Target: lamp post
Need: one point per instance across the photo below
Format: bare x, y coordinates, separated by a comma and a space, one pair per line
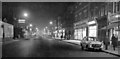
25, 14
51, 22
30, 25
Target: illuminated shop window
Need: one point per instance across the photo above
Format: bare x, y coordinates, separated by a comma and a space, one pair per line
93, 31
115, 32
84, 32
80, 34
76, 34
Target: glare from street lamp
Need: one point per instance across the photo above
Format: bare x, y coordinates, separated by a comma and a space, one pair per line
25, 14
31, 25
51, 22
30, 29
117, 16
37, 29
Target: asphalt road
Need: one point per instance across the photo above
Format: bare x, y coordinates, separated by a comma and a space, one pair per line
42, 47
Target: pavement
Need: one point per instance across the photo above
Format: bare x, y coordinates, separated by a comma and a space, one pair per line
42, 47
110, 49
11, 40
0, 49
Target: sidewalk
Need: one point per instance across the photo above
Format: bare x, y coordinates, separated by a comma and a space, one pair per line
11, 40
110, 49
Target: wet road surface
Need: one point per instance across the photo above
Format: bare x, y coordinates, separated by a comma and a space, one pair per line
42, 47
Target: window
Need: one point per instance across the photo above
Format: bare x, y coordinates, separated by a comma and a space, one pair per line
76, 15
93, 12
118, 6
85, 13
93, 31
80, 13
101, 11
105, 10
76, 6
71, 12
80, 3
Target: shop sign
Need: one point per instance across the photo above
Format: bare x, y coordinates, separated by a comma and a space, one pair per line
80, 22
80, 26
91, 22
21, 20
113, 17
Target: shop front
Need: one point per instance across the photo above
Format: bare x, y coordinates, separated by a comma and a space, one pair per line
80, 30
59, 34
78, 33
114, 28
92, 28
114, 25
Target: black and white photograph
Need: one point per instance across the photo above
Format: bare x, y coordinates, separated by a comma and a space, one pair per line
60, 29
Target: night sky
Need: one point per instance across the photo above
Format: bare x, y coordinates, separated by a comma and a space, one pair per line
39, 13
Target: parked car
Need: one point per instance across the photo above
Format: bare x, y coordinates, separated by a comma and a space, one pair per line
91, 43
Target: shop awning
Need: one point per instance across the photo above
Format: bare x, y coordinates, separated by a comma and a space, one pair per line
110, 26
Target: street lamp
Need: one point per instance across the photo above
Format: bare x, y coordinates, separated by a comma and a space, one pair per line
37, 29
31, 25
25, 14
30, 29
51, 22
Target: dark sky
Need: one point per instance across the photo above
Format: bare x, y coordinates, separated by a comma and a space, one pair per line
39, 13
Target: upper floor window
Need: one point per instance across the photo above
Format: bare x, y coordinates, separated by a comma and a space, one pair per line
118, 6
102, 12
76, 15
80, 3
80, 13
76, 6
71, 12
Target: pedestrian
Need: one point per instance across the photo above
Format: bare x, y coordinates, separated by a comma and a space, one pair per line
114, 41
106, 42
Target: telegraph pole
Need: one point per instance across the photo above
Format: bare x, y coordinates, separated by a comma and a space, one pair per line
107, 39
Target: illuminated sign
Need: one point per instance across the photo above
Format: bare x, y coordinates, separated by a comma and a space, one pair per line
113, 17
21, 20
91, 22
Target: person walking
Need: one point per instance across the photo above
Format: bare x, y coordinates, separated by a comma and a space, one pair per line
114, 41
106, 42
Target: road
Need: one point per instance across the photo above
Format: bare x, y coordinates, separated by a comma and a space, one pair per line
41, 47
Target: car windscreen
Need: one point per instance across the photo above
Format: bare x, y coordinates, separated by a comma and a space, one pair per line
91, 39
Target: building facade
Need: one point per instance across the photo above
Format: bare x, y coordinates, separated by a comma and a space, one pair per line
114, 19
89, 18
81, 18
